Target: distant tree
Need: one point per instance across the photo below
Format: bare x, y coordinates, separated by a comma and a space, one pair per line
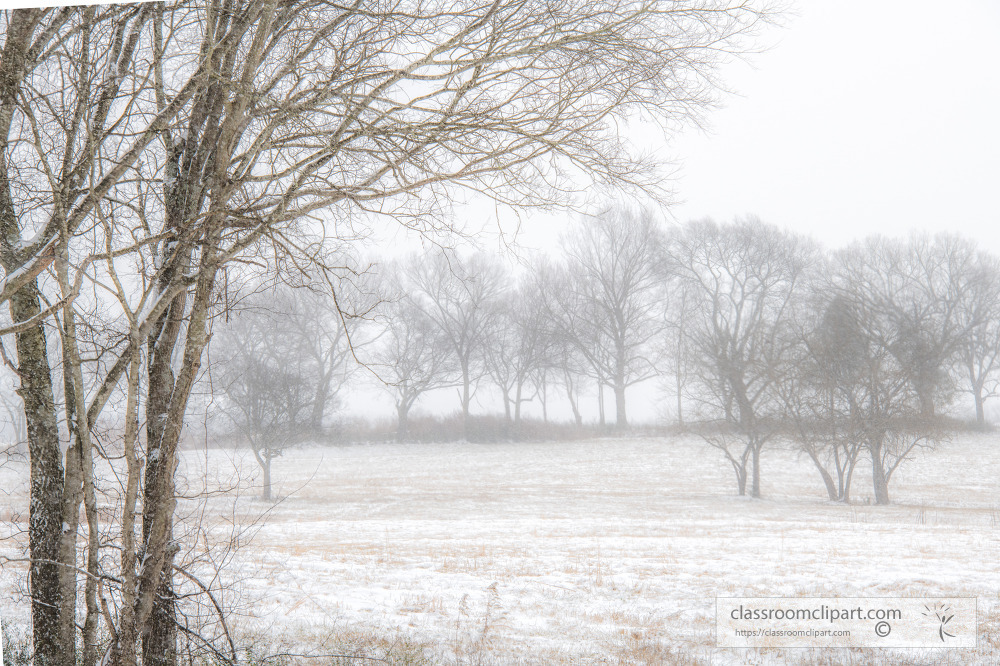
744, 278
266, 390
900, 344
829, 356
517, 345
282, 359
610, 309
412, 357
14, 427
680, 298
457, 295
330, 324
977, 357
564, 360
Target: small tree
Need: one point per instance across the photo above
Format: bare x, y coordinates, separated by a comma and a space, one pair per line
744, 278
885, 399
517, 346
829, 355
267, 387
614, 295
978, 346
456, 294
412, 358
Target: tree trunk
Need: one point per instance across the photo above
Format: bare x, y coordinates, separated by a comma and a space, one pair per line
577, 416
159, 630
926, 397
45, 512
678, 379
847, 483
46, 536
517, 406
543, 396
621, 420
266, 490
123, 652
319, 403
755, 463
156, 603
980, 407
403, 420
466, 399
880, 482
680, 401
832, 490
600, 403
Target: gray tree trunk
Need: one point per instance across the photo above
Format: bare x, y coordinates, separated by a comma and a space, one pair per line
403, 421
755, 470
50, 625
879, 480
621, 420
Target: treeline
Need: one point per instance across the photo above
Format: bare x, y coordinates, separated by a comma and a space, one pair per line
759, 334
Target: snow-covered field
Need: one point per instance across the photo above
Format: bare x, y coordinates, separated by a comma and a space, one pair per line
608, 551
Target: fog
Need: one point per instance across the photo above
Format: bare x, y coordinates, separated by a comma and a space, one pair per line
497, 333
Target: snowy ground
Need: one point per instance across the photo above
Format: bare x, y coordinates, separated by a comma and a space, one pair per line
609, 551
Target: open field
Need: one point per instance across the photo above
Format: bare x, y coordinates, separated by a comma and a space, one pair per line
608, 551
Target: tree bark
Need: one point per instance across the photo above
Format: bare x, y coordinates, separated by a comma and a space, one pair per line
600, 403
159, 630
879, 480
47, 538
403, 420
266, 492
755, 469
831, 488
466, 399
621, 420
741, 479
45, 513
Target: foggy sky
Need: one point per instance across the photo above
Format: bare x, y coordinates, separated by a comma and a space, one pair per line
862, 117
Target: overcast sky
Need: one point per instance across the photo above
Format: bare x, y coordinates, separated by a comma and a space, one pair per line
863, 116
860, 117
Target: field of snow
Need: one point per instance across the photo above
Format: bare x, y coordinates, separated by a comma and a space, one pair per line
607, 551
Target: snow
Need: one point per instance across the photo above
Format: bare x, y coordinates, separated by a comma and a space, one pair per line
601, 551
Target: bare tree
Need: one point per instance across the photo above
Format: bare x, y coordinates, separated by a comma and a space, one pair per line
412, 357
612, 314
887, 312
680, 301
829, 356
564, 357
66, 76
266, 379
744, 277
978, 344
517, 346
456, 294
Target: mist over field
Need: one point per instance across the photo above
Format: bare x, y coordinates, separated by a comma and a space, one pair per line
499, 333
